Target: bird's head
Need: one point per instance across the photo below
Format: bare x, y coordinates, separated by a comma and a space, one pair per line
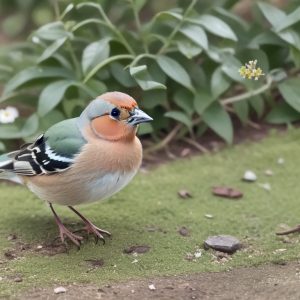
113, 116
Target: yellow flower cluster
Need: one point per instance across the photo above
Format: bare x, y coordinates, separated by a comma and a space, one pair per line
250, 71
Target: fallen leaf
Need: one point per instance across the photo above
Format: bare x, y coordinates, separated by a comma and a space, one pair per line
95, 263
137, 249
227, 192
184, 194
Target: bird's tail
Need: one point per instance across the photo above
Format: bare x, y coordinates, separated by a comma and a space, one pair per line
6, 168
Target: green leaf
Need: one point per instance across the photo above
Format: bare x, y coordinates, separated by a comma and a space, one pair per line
231, 68
35, 73
188, 49
258, 105
290, 36
290, 90
282, 113
242, 110
219, 83
50, 119
175, 71
202, 101
215, 26
290, 20
142, 77
121, 75
180, 117
2, 147
94, 54
184, 99
266, 38
52, 49
225, 13
53, 31
139, 4
52, 95
25, 129
273, 14
169, 14
93, 87
219, 121
144, 129
196, 34
153, 98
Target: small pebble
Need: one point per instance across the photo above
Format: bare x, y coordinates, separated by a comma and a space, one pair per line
250, 176
60, 290
39, 247
198, 254
223, 243
11, 237
269, 173
152, 287
208, 216
265, 186
18, 279
280, 161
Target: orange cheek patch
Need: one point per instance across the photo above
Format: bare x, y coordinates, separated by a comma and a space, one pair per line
107, 128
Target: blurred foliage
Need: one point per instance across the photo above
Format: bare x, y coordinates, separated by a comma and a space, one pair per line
179, 59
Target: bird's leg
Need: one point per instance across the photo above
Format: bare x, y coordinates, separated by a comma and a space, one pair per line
64, 232
90, 227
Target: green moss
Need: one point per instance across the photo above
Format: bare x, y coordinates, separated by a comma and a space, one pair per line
151, 200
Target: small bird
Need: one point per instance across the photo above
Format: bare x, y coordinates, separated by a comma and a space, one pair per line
81, 160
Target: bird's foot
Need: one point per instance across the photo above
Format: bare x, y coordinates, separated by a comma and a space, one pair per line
64, 233
90, 228
292, 230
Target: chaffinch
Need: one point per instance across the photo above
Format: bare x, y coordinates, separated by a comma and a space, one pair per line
83, 159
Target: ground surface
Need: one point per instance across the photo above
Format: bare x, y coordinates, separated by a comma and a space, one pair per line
261, 283
149, 213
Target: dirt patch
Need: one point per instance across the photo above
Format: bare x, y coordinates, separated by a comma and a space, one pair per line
264, 282
209, 141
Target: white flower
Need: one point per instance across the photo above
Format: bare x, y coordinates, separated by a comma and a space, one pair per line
35, 40
8, 115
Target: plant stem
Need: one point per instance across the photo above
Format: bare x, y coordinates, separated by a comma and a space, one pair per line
116, 31
104, 63
74, 60
141, 56
139, 26
248, 94
165, 141
176, 29
56, 9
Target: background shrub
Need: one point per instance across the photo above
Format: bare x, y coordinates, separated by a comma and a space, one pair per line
179, 59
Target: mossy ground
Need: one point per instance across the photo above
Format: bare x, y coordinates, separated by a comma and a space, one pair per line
151, 201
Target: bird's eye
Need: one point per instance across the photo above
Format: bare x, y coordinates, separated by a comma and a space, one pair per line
115, 113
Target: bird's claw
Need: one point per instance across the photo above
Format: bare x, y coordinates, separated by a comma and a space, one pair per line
97, 232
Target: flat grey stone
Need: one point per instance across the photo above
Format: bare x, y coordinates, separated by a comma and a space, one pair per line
224, 243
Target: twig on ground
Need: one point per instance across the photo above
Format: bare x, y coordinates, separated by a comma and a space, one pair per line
292, 230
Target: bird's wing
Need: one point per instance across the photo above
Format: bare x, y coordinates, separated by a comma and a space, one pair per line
51, 153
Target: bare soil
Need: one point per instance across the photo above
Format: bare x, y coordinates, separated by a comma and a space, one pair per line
261, 283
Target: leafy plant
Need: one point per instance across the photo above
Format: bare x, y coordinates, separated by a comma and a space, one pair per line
181, 64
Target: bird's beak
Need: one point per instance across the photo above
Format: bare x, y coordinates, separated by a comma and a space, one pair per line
139, 117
